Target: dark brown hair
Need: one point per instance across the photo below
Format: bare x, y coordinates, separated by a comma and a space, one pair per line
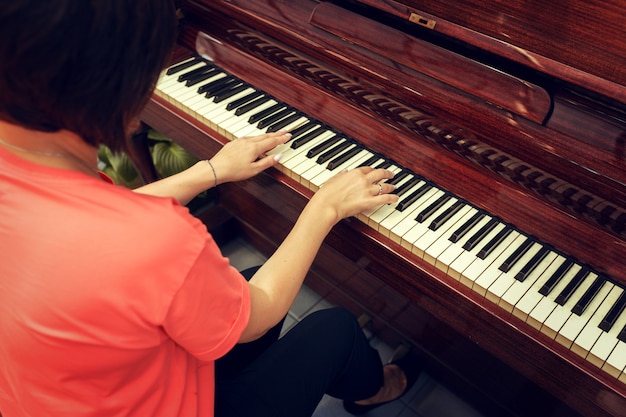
88, 66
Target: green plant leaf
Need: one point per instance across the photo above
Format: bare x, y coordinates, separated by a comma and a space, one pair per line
157, 136
170, 158
104, 154
119, 167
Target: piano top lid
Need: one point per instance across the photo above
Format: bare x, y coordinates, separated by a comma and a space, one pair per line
579, 41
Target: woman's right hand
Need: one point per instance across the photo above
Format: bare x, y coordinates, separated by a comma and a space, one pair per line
351, 192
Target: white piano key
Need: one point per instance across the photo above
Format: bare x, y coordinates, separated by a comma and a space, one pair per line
532, 297
239, 122
294, 157
305, 164
616, 362
591, 332
546, 305
467, 267
243, 128
482, 273
320, 174
575, 323
429, 236
561, 313
605, 344
417, 230
286, 148
434, 251
220, 114
408, 221
396, 216
505, 280
449, 256
519, 288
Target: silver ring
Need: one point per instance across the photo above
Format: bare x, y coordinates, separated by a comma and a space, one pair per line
380, 189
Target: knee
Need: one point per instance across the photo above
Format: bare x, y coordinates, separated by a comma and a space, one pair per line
339, 322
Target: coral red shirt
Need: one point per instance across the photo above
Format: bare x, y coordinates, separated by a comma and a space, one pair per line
112, 303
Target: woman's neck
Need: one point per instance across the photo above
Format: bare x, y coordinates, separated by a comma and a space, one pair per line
62, 149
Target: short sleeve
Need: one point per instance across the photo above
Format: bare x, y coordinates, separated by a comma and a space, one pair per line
212, 307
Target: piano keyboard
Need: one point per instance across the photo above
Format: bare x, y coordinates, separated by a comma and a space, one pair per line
565, 300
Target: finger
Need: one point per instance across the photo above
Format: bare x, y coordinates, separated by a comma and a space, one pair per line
279, 135
386, 199
271, 140
267, 161
380, 174
383, 188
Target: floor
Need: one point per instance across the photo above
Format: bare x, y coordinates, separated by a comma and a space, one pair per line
427, 398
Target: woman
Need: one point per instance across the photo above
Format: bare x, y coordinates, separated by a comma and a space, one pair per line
118, 303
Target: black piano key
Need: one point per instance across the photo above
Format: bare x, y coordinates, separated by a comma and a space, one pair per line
571, 286
252, 105
202, 76
198, 72
300, 130
466, 227
532, 264
332, 152
183, 65
216, 85
274, 117
609, 320
370, 161
399, 177
515, 256
317, 149
224, 89
432, 208
383, 165
446, 215
243, 100
221, 96
413, 197
345, 156
266, 112
477, 237
494, 243
307, 137
401, 190
556, 277
622, 335
580, 307
284, 122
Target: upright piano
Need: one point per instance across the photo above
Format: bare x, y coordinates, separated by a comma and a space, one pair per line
505, 122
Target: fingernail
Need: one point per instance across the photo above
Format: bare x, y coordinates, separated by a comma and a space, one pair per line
278, 156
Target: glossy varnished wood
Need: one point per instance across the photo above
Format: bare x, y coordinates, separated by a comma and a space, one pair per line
504, 90
580, 41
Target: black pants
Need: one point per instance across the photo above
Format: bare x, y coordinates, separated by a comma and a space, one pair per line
325, 353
